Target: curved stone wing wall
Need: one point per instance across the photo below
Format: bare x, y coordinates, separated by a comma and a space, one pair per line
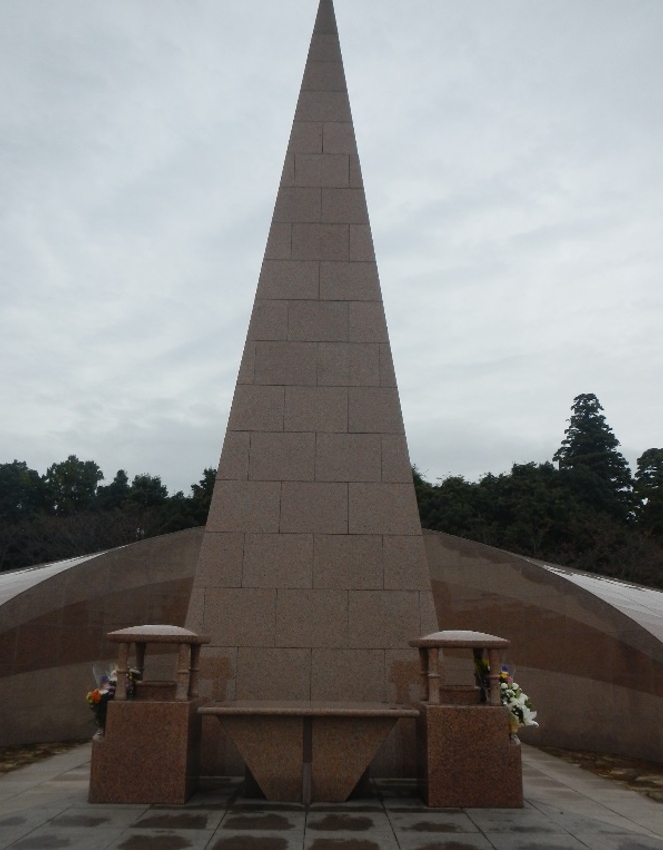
53, 625
593, 669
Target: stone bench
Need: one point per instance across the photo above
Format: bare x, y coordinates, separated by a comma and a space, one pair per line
313, 751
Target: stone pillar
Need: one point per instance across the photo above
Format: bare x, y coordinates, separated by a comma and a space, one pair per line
312, 575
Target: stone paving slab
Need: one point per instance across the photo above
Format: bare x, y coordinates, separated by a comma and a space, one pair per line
618, 842
565, 809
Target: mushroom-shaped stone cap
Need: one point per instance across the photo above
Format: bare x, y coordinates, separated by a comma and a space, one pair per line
156, 634
463, 639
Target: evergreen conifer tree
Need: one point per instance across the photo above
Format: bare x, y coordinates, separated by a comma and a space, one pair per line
599, 473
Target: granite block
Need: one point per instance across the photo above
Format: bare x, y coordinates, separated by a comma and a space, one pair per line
402, 676
80, 587
306, 137
345, 281
382, 619
285, 363
344, 206
297, 204
348, 457
375, 410
361, 241
338, 137
45, 607
320, 409
348, 674
217, 673
328, 170
279, 242
257, 409
405, 564
320, 242
396, 466
318, 321
288, 171
272, 750
77, 643
245, 506
427, 613
8, 640
240, 616
220, 561
273, 673
36, 647
195, 612
324, 76
311, 618
269, 320
282, 456
356, 180
317, 508
247, 364
325, 22
289, 279
83, 614
321, 105
382, 509
46, 612
234, 463
348, 364
168, 760
387, 373
347, 561
337, 769
278, 560
367, 322
465, 758
324, 48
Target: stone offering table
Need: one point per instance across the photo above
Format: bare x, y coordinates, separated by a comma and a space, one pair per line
307, 751
465, 755
150, 750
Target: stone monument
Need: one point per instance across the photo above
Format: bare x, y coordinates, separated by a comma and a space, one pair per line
312, 577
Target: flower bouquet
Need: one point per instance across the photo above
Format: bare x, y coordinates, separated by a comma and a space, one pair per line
99, 698
519, 704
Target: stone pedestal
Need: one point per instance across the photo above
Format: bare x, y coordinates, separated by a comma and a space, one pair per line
150, 749
466, 758
149, 753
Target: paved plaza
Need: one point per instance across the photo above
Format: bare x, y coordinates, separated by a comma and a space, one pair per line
44, 807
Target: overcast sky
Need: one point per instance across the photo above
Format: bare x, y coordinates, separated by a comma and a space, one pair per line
512, 156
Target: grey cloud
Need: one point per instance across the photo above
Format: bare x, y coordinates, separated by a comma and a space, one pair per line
511, 156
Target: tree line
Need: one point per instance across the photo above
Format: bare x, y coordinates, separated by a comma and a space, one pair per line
67, 512
583, 509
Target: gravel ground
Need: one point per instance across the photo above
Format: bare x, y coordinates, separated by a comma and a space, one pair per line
11, 758
646, 777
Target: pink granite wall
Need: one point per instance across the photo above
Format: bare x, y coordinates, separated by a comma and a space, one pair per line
594, 673
52, 632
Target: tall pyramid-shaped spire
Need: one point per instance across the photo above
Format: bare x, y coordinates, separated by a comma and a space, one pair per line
312, 576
